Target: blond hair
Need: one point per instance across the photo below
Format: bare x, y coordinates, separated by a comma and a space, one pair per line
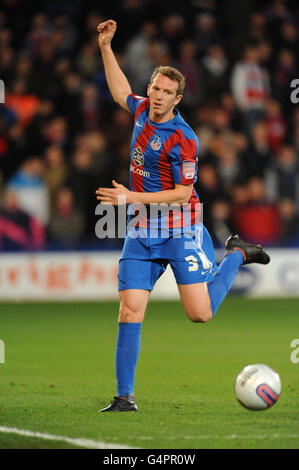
171, 73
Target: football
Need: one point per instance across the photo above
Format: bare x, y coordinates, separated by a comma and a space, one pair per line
257, 387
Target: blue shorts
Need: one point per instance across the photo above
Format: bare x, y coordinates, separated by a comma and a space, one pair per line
144, 259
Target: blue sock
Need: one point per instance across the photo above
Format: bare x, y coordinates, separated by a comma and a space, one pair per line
126, 357
222, 282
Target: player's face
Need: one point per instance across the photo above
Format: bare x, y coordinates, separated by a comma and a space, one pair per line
163, 95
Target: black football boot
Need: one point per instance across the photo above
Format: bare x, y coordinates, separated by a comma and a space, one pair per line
121, 404
251, 253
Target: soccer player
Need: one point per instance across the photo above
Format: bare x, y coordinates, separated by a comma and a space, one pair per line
163, 168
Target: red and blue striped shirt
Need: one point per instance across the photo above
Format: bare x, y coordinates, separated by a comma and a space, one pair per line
162, 154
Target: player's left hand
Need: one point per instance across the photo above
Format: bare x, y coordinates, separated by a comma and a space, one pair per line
116, 196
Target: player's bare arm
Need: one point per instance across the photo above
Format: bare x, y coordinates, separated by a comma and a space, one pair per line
117, 82
181, 194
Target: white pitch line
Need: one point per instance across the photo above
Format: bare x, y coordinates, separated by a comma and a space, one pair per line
79, 442
91, 444
228, 437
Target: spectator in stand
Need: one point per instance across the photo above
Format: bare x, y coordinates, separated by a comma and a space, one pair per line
91, 21
123, 159
7, 120
257, 218
294, 131
214, 68
55, 132
6, 37
290, 220
37, 139
122, 121
188, 66
19, 230
229, 166
229, 106
221, 226
206, 33
55, 173
209, 189
88, 61
219, 119
258, 156
83, 182
22, 103
282, 176
103, 165
66, 226
276, 13
276, 125
130, 13
241, 145
213, 150
239, 194
89, 107
44, 61
288, 37
295, 118
284, 72
24, 72
295, 139
7, 56
15, 148
29, 186
266, 56
137, 52
67, 33
173, 31
159, 53
251, 87
68, 102
39, 33
257, 27
63, 67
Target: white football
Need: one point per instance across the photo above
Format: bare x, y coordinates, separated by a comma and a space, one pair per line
257, 387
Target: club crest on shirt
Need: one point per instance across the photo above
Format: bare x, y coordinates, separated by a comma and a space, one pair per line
138, 156
156, 143
188, 169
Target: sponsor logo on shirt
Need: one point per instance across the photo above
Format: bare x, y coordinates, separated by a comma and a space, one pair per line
138, 156
156, 143
139, 171
188, 169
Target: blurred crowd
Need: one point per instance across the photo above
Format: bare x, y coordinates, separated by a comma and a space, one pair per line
61, 135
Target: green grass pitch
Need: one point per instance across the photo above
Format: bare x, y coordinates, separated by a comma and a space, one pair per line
59, 372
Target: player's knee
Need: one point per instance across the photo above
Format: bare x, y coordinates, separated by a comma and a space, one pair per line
129, 314
200, 315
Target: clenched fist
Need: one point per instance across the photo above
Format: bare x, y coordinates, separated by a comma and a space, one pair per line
106, 32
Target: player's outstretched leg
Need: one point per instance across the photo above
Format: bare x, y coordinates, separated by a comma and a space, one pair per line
238, 252
201, 300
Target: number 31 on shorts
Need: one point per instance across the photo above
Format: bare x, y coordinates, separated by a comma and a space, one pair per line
193, 262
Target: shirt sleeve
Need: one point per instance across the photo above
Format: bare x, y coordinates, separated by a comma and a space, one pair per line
134, 101
184, 159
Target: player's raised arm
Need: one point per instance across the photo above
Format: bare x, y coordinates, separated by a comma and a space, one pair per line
116, 79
